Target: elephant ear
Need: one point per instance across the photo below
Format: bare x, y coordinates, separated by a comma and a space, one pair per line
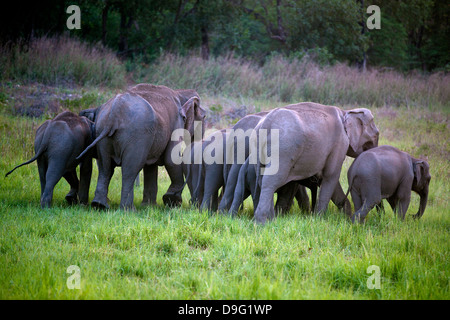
354, 127
419, 168
89, 113
190, 110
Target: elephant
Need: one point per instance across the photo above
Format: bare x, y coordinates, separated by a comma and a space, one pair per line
246, 186
192, 171
304, 140
134, 130
233, 164
57, 144
386, 172
205, 178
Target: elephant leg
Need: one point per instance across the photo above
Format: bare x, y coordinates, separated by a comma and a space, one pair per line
369, 200
214, 202
313, 197
393, 202
71, 178
213, 182
239, 189
42, 168
302, 198
173, 195
105, 172
132, 164
150, 184
326, 192
269, 184
357, 201
232, 180
404, 199
285, 197
341, 201
85, 180
54, 173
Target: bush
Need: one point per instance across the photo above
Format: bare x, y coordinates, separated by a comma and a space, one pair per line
60, 60
298, 79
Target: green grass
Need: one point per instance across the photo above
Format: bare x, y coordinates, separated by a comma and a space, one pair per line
162, 253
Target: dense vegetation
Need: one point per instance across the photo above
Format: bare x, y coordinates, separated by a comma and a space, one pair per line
414, 34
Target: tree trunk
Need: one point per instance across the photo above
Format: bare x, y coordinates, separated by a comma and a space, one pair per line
205, 43
125, 24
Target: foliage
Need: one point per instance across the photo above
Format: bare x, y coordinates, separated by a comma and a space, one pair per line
413, 35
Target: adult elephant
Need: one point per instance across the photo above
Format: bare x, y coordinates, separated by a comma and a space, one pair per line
134, 131
313, 140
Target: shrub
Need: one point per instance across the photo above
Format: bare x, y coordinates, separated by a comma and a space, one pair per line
298, 79
60, 60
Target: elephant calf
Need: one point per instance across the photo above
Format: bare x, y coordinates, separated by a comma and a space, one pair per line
204, 176
57, 144
387, 173
295, 189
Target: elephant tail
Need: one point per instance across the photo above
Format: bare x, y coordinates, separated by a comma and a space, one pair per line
350, 183
108, 131
100, 137
42, 149
27, 162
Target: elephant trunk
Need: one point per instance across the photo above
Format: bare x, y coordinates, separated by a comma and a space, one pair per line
423, 204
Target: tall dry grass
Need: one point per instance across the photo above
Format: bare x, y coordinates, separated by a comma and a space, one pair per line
60, 60
292, 80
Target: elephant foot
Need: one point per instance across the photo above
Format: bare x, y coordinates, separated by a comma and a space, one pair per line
172, 200
99, 205
71, 198
261, 219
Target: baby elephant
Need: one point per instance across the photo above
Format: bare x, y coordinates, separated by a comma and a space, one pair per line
387, 173
57, 144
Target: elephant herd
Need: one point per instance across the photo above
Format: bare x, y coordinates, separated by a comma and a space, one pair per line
283, 151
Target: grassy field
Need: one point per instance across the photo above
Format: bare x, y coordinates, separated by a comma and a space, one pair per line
162, 253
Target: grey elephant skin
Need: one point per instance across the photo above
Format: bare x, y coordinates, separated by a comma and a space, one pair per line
57, 144
233, 164
134, 131
314, 140
205, 179
386, 172
246, 186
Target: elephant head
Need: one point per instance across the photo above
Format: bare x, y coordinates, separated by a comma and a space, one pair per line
193, 114
361, 131
421, 182
89, 113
